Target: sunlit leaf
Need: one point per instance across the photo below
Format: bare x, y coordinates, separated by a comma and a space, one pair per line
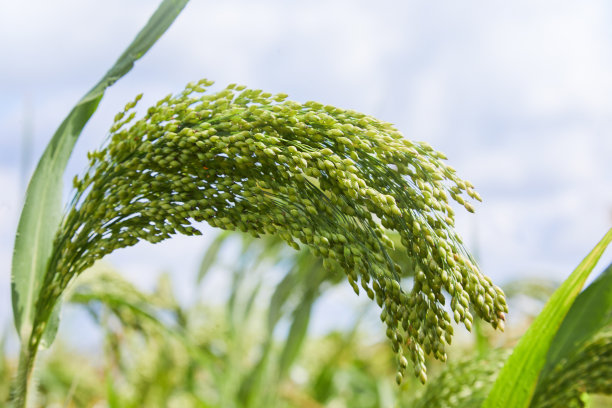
517, 381
576, 341
591, 312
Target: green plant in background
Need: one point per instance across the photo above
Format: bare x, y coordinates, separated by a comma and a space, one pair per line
203, 355
464, 383
165, 354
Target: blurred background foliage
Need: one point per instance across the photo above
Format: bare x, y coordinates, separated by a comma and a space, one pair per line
255, 350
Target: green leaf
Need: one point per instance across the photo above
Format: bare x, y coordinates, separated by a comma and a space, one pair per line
52, 326
297, 332
112, 396
517, 380
589, 315
251, 385
248, 306
211, 254
310, 276
41, 213
4, 367
591, 312
237, 283
323, 384
283, 290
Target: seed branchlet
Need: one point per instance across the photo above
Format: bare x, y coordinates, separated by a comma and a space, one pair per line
588, 369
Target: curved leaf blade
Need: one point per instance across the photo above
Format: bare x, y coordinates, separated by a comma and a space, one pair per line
211, 255
41, 213
297, 333
590, 313
515, 384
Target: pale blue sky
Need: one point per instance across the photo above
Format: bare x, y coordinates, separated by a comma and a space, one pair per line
518, 95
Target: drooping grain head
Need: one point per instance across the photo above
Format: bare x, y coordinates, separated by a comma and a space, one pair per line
335, 180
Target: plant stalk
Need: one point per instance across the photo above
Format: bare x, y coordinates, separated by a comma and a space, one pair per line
23, 392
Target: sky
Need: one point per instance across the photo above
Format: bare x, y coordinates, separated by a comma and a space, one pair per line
517, 95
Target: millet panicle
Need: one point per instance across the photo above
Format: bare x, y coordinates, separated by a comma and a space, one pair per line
335, 180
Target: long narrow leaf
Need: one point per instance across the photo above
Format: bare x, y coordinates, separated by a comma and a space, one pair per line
301, 318
297, 333
589, 315
42, 209
516, 382
282, 292
591, 312
211, 255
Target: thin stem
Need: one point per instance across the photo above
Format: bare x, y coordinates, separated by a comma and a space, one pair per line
23, 392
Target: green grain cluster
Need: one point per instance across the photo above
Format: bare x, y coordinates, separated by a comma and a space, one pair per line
335, 180
587, 370
464, 383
